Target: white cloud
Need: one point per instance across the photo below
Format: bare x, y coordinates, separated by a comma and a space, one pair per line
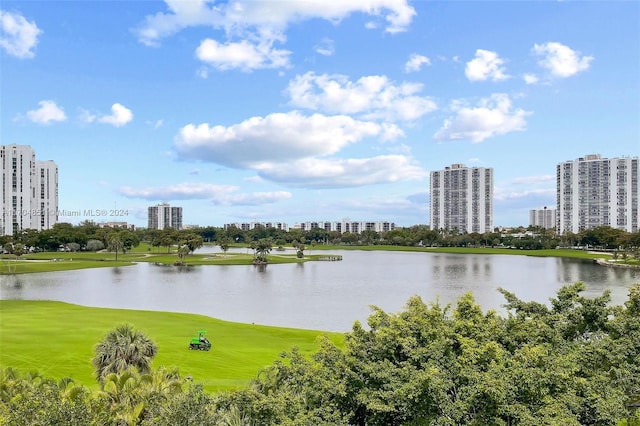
334, 173
486, 65
241, 16
501, 194
279, 138
120, 115
18, 37
372, 97
529, 180
560, 60
218, 194
47, 113
243, 55
530, 78
325, 47
416, 62
493, 116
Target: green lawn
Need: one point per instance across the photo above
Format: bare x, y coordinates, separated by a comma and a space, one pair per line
61, 261
57, 339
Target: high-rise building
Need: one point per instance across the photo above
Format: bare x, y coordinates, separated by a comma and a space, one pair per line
594, 191
164, 216
544, 218
462, 199
29, 191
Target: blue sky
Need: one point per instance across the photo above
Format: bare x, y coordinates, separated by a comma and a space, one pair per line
293, 111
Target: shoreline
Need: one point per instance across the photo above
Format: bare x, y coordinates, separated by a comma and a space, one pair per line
55, 261
604, 262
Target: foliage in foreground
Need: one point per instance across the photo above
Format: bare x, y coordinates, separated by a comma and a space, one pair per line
575, 362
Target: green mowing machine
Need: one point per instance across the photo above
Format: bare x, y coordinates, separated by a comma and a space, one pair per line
200, 343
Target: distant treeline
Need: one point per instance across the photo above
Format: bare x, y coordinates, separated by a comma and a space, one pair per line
89, 236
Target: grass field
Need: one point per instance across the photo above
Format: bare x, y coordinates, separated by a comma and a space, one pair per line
60, 261
57, 340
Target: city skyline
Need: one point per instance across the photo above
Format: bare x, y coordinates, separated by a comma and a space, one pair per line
289, 112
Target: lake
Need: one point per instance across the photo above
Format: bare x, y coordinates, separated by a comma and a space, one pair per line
319, 295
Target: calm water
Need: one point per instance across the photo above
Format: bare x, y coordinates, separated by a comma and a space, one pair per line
319, 295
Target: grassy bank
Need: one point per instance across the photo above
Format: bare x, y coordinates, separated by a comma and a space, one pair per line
61, 261
57, 261
57, 339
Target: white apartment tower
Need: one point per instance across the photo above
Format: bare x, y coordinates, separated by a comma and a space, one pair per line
595, 191
29, 191
462, 199
164, 216
544, 218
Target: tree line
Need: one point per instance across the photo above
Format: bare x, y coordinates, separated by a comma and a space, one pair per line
91, 237
575, 361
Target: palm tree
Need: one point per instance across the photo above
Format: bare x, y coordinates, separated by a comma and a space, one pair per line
122, 348
262, 249
115, 243
183, 251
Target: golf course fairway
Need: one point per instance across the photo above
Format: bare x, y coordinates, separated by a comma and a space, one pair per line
57, 339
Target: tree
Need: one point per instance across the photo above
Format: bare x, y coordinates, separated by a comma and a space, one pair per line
94, 245
224, 243
576, 362
262, 249
121, 348
182, 253
115, 243
192, 241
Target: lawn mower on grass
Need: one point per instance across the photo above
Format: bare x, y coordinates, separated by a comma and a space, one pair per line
200, 343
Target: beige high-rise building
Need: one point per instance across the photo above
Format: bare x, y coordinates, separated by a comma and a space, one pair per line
462, 199
29, 191
594, 191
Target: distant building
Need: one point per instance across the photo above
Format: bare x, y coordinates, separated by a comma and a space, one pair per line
348, 225
29, 191
121, 225
164, 216
544, 218
462, 199
248, 226
594, 191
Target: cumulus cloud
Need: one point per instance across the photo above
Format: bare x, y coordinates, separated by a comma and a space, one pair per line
243, 55
218, 194
560, 60
120, 115
279, 137
47, 113
244, 15
487, 65
371, 97
492, 117
252, 27
416, 62
334, 173
18, 37
325, 47
530, 78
